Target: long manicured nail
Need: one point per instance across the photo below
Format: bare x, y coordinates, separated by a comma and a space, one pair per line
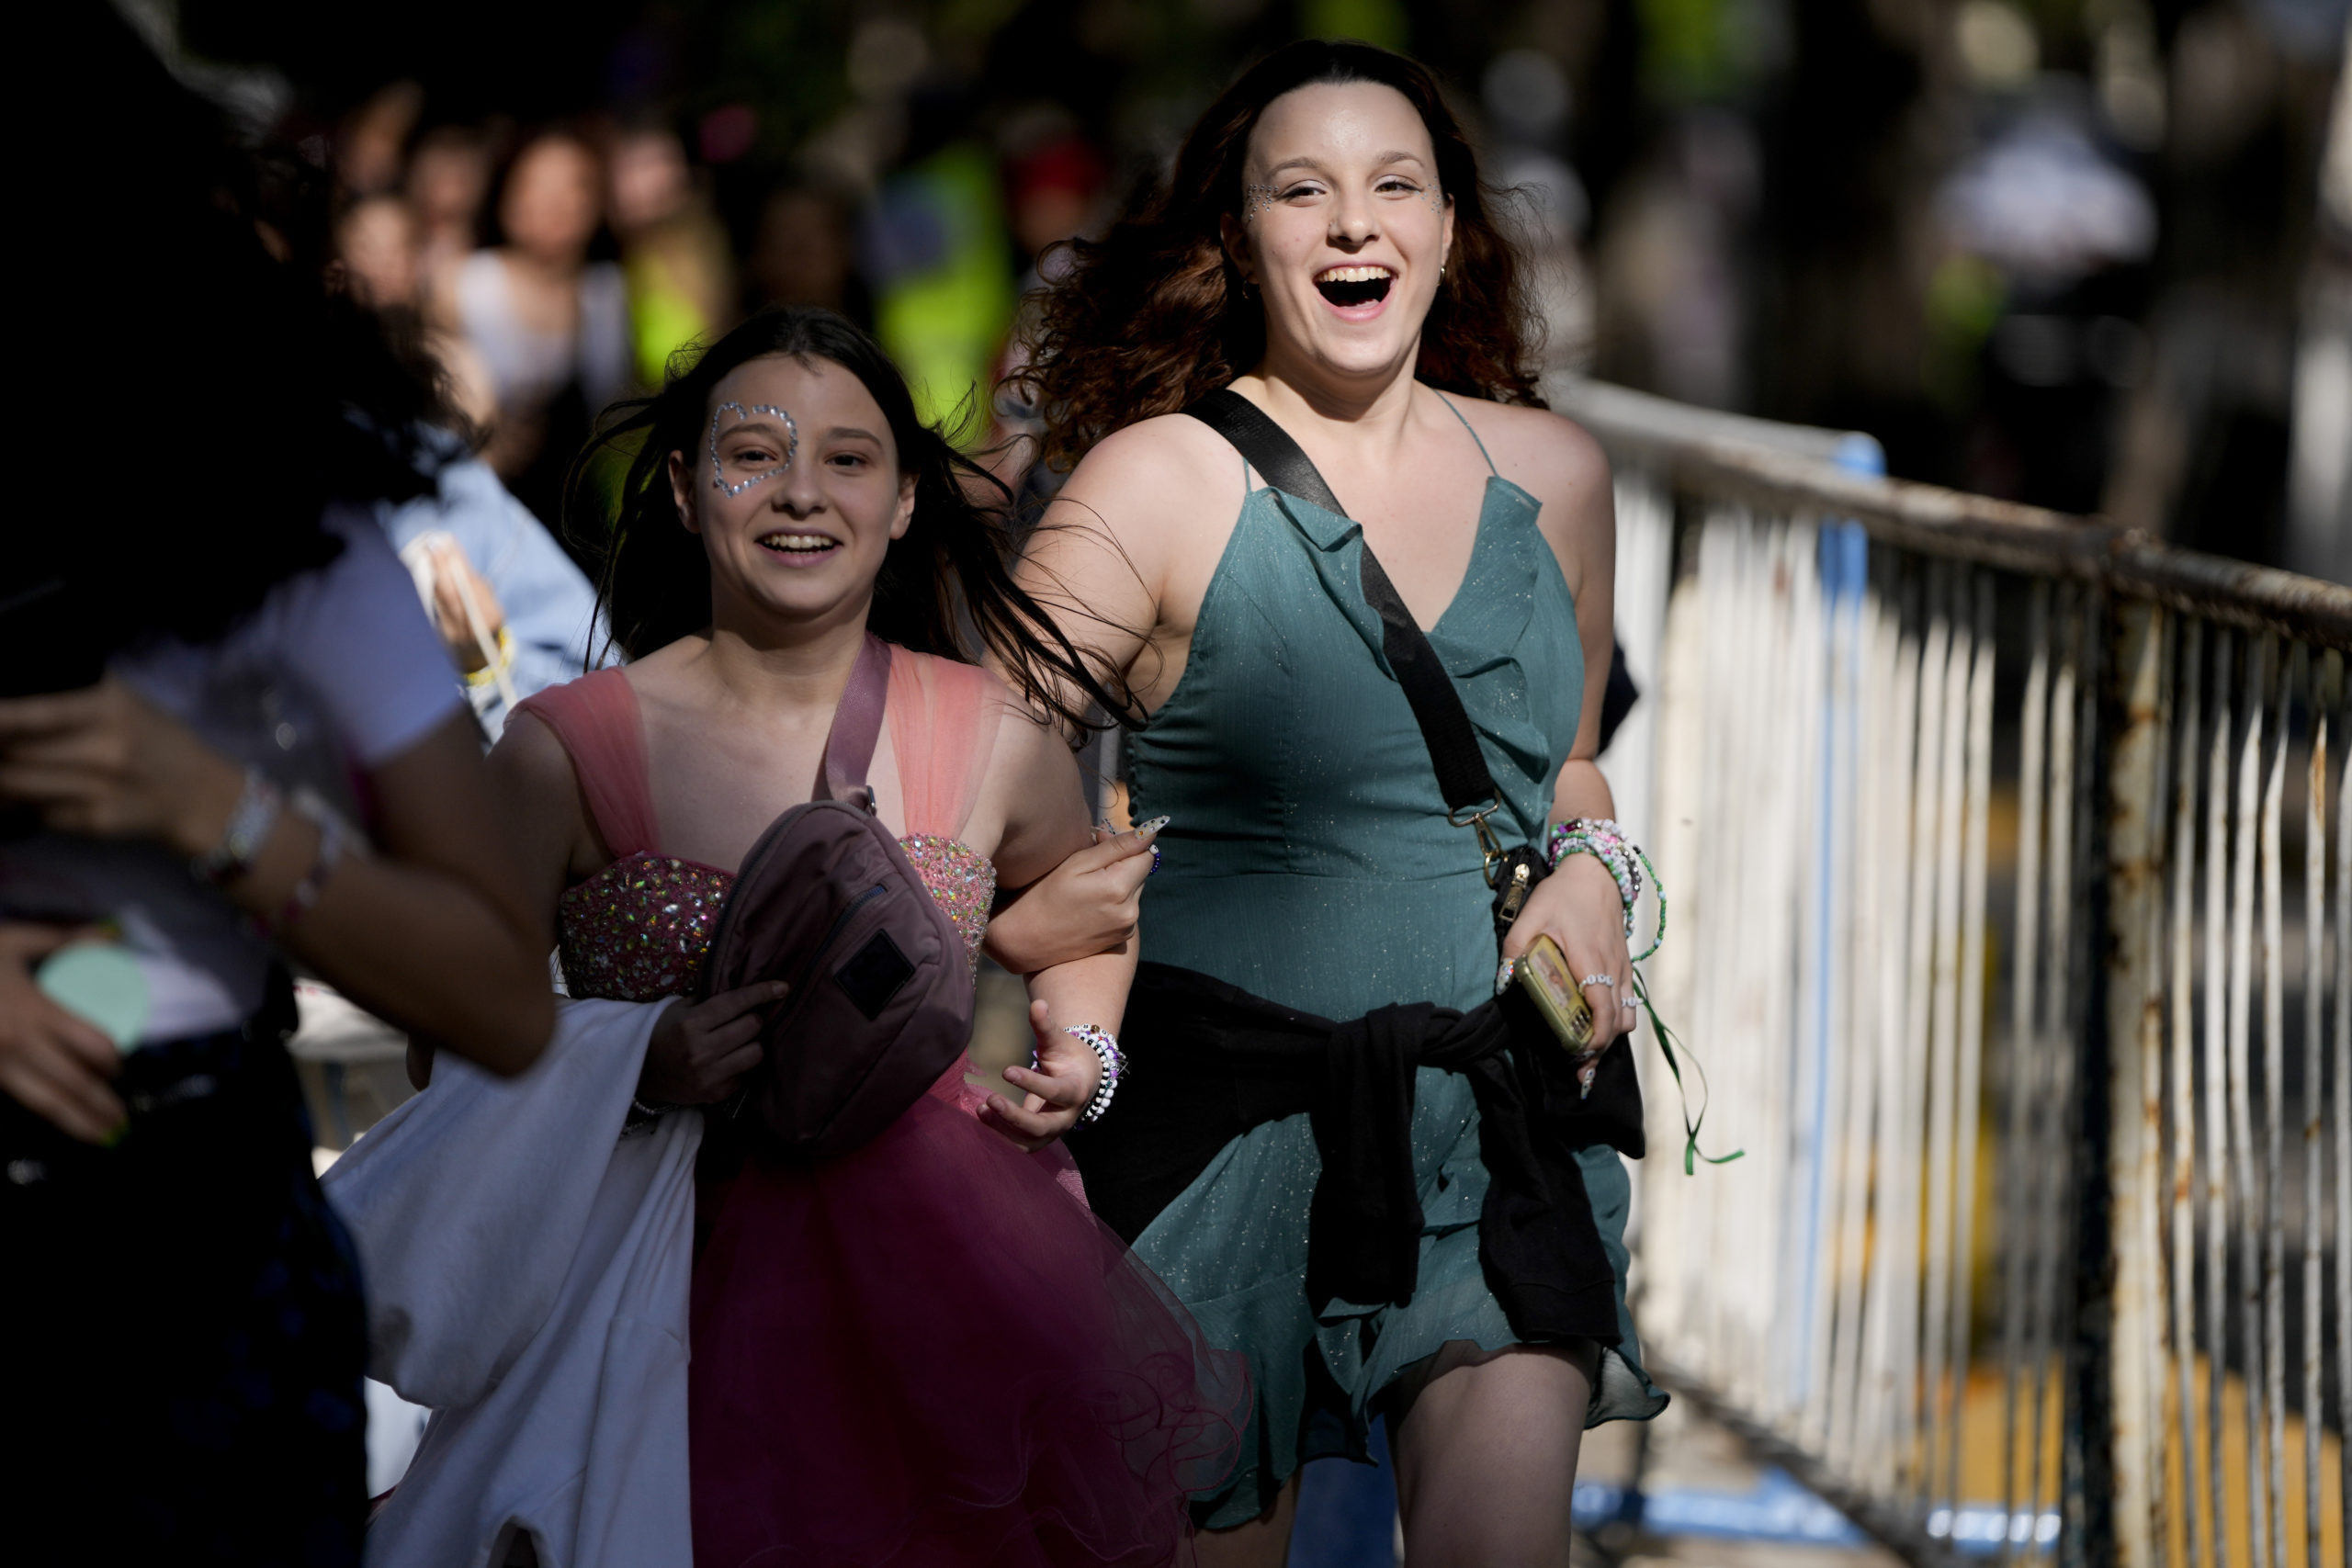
1503, 971
1154, 826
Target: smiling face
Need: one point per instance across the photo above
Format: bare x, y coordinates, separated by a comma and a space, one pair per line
795, 490
1344, 227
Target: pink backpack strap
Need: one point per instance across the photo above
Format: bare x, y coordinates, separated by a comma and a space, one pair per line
858, 724
596, 719
943, 719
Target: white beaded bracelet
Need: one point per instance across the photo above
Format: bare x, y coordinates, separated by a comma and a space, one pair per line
1105, 1047
248, 827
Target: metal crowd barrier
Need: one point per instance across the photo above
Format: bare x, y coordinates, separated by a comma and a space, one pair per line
2010, 859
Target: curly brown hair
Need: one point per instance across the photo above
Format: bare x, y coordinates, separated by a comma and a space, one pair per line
1152, 315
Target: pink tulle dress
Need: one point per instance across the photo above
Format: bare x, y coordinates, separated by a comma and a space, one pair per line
928, 1352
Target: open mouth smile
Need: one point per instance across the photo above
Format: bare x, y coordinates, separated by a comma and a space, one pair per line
799, 548
1354, 289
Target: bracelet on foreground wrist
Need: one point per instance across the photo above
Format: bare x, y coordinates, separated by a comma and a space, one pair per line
338, 839
248, 827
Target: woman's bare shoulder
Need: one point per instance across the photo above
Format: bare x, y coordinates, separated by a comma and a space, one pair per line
666, 665
1550, 457
530, 761
1159, 492
672, 685
1156, 463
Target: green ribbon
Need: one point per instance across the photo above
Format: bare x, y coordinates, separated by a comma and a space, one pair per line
1667, 1042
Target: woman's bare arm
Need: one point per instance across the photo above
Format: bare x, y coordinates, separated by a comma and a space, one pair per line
1086, 904
434, 932
1126, 553
1578, 905
438, 933
541, 812
1034, 783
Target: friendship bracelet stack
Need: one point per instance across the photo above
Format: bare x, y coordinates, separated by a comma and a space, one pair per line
1607, 842
250, 822
338, 839
1114, 1062
253, 819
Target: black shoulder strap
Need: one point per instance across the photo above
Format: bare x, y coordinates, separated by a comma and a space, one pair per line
1462, 775
1267, 446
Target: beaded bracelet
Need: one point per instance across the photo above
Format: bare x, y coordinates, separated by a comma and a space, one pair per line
247, 828
1105, 1047
1608, 843
338, 839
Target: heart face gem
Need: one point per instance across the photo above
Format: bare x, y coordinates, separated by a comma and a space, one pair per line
791, 446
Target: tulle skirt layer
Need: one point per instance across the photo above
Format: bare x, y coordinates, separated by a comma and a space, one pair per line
930, 1353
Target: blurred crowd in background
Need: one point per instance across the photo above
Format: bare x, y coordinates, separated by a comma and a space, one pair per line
2093, 255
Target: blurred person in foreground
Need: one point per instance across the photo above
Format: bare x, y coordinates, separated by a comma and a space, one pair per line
228, 743
1325, 250
550, 324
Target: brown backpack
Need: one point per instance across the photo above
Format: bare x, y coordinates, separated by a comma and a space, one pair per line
882, 991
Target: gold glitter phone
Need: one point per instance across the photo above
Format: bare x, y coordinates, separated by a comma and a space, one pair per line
1544, 972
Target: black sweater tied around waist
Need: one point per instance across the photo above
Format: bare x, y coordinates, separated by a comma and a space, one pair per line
1210, 1061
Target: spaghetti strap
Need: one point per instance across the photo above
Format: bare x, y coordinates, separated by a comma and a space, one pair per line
1471, 429
596, 721
943, 718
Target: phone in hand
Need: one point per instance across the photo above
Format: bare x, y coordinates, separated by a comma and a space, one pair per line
1542, 973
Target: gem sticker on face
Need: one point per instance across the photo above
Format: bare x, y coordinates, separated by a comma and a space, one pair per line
1255, 199
718, 469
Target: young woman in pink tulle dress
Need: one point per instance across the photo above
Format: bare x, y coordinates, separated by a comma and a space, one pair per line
927, 1351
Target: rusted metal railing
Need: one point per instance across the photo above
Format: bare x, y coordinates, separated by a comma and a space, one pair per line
2011, 857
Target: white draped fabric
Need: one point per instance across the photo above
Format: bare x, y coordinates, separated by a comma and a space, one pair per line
527, 1271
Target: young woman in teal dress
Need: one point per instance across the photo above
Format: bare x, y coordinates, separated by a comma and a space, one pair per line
1325, 249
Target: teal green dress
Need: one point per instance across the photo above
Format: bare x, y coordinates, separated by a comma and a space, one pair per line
1308, 860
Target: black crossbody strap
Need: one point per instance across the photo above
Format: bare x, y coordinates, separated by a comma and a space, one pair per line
1462, 775
1267, 446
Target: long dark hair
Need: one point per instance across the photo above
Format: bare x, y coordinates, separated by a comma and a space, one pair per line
946, 584
204, 400
1152, 315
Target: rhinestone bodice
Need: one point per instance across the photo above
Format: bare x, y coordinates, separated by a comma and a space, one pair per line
638, 930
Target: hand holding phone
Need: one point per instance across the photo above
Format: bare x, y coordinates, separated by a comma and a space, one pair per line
1542, 973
